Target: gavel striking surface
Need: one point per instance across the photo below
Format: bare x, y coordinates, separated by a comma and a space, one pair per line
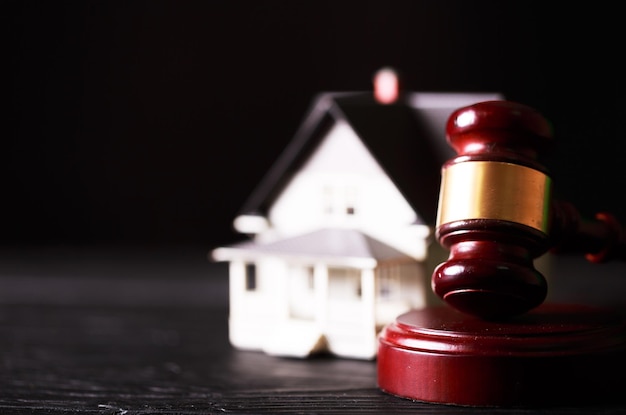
555, 354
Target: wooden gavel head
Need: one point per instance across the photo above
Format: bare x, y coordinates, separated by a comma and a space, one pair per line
494, 210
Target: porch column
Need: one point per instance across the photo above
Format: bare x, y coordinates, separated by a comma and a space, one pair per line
320, 283
368, 297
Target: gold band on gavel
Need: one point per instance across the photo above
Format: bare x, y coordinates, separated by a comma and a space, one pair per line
494, 190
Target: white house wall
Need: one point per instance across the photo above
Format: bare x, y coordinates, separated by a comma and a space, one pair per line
253, 313
301, 285
341, 174
320, 275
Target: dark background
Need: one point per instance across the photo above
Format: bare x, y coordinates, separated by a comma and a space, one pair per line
149, 122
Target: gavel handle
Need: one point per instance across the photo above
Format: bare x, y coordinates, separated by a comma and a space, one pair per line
601, 239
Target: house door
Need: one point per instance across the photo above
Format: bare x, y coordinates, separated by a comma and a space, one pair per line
301, 293
344, 295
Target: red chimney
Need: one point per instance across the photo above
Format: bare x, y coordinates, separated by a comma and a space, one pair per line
386, 86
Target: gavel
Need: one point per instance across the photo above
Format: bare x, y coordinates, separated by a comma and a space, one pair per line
497, 214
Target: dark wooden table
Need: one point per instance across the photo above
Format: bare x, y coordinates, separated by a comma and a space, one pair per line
145, 332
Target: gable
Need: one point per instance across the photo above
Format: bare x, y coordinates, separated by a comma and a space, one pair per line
341, 184
405, 149
342, 151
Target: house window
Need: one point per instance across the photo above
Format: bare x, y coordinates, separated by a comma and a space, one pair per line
388, 280
339, 201
350, 201
251, 282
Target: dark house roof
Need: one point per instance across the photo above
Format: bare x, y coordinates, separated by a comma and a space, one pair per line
407, 138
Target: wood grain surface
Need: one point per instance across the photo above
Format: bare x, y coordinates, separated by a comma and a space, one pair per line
173, 358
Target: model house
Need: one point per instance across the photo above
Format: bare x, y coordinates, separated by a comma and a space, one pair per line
339, 233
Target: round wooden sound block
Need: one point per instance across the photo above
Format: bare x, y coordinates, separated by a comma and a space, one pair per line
554, 354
